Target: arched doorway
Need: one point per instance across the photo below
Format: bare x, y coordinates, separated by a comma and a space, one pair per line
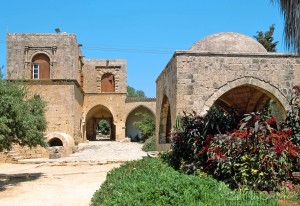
165, 124
137, 114
40, 67
249, 98
94, 117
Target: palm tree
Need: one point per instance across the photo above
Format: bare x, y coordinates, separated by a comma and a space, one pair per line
291, 13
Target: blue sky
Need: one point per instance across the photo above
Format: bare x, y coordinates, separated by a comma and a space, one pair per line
144, 32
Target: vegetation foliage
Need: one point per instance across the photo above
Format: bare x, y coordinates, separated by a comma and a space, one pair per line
149, 144
152, 182
146, 125
290, 11
131, 92
267, 39
259, 153
103, 127
22, 119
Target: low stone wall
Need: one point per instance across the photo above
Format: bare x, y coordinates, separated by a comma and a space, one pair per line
28, 153
19, 152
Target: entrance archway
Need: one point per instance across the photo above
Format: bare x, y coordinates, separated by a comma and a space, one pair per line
165, 124
94, 116
248, 98
134, 116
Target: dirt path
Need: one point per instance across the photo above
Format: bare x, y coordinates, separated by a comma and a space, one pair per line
60, 183
51, 185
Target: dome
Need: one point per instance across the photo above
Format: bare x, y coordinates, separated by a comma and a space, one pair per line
228, 42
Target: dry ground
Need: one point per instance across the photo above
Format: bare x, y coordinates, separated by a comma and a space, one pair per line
65, 182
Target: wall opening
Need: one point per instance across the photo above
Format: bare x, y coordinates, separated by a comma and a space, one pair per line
96, 115
165, 124
55, 142
247, 98
108, 83
136, 115
40, 67
103, 129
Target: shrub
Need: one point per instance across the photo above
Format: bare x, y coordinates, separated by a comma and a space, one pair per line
22, 117
260, 154
149, 144
146, 125
190, 139
152, 182
256, 155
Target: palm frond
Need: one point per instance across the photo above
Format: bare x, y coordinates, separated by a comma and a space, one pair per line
290, 10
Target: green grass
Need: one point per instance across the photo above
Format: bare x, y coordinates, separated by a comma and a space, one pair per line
152, 182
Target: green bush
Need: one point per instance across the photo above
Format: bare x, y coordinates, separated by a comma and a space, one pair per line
256, 155
152, 182
146, 125
149, 144
192, 134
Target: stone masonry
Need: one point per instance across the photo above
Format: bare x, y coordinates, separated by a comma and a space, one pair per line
74, 95
225, 69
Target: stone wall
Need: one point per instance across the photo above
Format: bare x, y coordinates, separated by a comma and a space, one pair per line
93, 70
166, 86
194, 81
114, 102
132, 103
202, 79
64, 101
62, 49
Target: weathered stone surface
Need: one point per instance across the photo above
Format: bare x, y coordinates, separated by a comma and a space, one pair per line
74, 97
223, 66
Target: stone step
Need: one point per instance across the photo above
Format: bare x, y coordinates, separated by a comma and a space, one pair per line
17, 158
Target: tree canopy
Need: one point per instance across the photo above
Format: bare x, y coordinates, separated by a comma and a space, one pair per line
22, 119
267, 39
131, 92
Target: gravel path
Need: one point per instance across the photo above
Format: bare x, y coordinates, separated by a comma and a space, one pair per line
99, 152
66, 181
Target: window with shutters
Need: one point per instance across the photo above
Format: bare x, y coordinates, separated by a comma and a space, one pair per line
40, 67
108, 83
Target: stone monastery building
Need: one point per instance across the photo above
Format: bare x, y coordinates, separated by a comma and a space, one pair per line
227, 70
224, 69
79, 92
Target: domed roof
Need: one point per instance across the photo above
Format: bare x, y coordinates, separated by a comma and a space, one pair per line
228, 42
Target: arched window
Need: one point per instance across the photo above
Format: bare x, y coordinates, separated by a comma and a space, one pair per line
40, 67
108, 83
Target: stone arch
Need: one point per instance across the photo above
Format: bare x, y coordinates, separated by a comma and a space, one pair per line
265, 88
94, 115
40, 68
165, 124
66, 140
132, 132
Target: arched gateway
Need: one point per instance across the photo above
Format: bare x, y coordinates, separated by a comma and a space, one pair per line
228, 70
93, 118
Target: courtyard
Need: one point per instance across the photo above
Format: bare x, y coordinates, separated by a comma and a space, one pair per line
65, 181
